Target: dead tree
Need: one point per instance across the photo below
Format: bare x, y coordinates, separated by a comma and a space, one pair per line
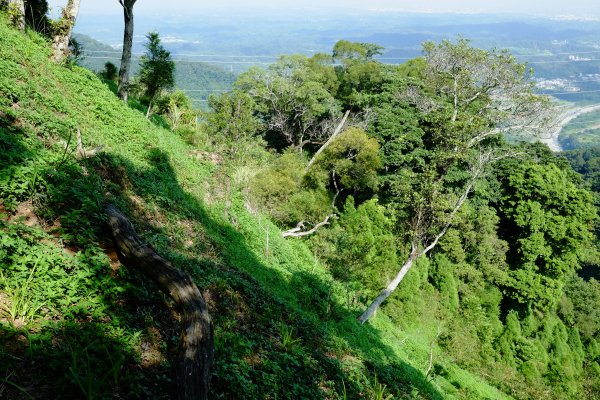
422, 243
193, 365
82, 152
63, 30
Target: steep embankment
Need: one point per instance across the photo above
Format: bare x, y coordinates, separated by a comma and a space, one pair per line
76, 323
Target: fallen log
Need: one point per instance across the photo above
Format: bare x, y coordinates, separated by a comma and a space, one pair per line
193, 365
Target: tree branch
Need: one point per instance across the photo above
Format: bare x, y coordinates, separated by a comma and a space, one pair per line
297, 231
328, 142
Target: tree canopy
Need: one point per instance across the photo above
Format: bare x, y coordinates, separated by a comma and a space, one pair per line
156, 67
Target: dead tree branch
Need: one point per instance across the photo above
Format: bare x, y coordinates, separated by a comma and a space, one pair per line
299, 232
328, 142
431, 344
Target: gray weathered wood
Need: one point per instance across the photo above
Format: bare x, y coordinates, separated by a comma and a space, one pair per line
64, 28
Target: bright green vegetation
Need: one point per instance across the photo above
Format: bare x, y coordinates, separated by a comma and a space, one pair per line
495, 312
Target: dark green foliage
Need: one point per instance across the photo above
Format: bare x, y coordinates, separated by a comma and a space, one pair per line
36, 17
156, 67
579, 307
548, 218
110, 71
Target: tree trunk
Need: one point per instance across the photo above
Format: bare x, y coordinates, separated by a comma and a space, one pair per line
18, 6
123, 90
415, 254
149, 110
385, 293
197, 346
64, 28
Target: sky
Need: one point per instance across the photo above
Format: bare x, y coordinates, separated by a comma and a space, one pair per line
533, 7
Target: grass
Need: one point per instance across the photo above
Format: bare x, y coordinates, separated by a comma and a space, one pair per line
21, 304
283, 327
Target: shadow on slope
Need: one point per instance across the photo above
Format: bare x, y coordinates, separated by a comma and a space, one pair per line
72, 325
273, 319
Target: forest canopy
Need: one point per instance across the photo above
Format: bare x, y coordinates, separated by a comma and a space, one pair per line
317, 191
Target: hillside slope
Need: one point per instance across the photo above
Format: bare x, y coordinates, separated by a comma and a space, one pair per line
76, 323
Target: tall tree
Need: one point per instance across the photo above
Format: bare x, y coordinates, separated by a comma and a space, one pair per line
156, 70
466, 99
358, 73
127, 44
63, 29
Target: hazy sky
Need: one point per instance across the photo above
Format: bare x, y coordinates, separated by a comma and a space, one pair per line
538, 7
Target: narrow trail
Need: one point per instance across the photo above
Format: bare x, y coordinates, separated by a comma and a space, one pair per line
563, 120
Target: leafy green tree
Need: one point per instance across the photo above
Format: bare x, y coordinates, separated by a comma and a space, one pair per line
156, 69
349, 164
460, 138
231, 122
361, 246
110, 71
548, 221
358, 73
292, 100
587, 162
344, 50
